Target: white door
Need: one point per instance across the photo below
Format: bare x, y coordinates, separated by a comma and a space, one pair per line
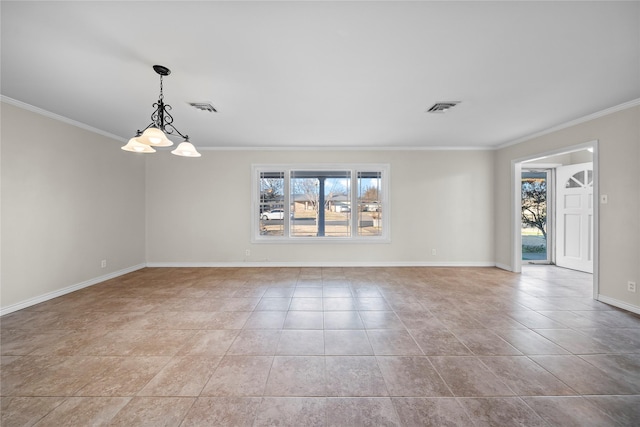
574, 217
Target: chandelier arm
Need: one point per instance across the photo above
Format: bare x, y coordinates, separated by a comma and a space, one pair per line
162, 119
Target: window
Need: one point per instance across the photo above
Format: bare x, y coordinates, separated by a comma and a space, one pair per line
319, 203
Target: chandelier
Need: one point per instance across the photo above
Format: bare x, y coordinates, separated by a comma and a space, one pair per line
155, 134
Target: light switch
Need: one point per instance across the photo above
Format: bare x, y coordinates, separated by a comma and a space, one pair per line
604, 199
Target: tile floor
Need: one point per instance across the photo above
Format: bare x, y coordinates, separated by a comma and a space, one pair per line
324, 346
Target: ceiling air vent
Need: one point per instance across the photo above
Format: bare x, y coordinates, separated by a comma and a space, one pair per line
442, 107
204, 106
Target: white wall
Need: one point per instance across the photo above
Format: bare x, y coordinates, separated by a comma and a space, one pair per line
618, 136
199, 210
70, 199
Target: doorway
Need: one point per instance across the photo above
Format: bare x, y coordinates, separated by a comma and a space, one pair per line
562, 228
536, 206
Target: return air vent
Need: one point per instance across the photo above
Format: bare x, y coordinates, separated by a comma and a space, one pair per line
442, 107
204, 106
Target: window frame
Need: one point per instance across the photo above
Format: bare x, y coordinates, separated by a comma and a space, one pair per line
353, 168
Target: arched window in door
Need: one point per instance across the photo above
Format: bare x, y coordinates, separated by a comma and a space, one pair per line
582, 179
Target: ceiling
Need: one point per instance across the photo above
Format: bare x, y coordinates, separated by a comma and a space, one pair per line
304, 74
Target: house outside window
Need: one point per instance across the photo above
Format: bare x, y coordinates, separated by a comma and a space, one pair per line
320, 203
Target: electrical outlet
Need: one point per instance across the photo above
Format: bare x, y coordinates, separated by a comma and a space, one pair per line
247, 252
434, 252
631, 286
103, 263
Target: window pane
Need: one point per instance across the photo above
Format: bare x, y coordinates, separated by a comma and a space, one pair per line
272, 212
369, 206
321, 203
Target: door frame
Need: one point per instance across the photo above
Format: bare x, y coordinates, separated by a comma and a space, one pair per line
516, 205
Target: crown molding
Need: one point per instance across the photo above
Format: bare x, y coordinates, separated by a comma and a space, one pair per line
58, 117
611, 110
584, 119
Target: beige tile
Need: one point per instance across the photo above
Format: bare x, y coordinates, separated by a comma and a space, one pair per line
108, 340
308, 292
226, 320
291, 411
501, 411
439, 342
347, 342
624, 368
339, 304
279, 292
304, 320
297, 376
310, 304
239, 376
366, 291
574, 341
301, 343
430, 412
468, 376
123, 376
455, 318
419, 320
533, 319
525, 377
182, 376
84, 411
411, 376
485, 343
250, 292
20, 342
582, 376
273, 304
266, 320
336, 291
618, 340
625, 410
529, 342
153, 411
222, 411
354, 376
209, 343
342, 320
26, 411
33, 320
393, 342
238, 304
255, 342
569, 411
496, 320
371, 304
57, 376
118, 342
367, 411
381, 320
162, 343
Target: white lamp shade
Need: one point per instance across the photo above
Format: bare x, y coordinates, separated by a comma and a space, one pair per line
155, 137
137, 147
186, 149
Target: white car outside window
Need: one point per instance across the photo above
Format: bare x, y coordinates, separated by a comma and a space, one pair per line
274, 214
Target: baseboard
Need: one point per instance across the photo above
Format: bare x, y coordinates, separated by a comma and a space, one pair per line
620, 304
504, 266
51, 295
267, 263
